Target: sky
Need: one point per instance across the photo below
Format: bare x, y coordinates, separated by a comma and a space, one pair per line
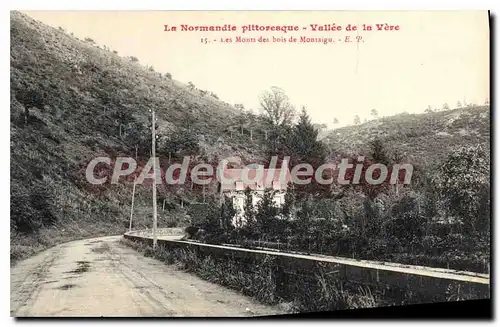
435, 57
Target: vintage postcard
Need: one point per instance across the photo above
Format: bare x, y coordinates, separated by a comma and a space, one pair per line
250, 163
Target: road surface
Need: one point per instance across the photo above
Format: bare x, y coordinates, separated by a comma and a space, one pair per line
104, 277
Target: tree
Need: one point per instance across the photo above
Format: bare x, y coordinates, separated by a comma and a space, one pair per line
335, 121
30, 98
266, 213
463, 181
277, 107
248, 208
429, 109
459, 104
228, 212
374, 113
357, 120
188, 122
191, 86
181, 143
378, 152
304, 147
138, 135
487, 102
446, 106
278, 113
240, 107
304, 142
304, 216
405, 222
241, 123
287, 210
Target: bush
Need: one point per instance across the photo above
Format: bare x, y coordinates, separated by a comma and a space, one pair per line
463, 182
405, 222
30, 208
30, 97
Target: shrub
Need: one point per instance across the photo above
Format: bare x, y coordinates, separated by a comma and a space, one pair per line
463, 182
31, 208
31, 97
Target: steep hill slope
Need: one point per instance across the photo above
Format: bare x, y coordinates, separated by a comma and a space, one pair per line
422, 138
72, 101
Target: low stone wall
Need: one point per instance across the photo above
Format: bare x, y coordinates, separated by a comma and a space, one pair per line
431, 284
174, 231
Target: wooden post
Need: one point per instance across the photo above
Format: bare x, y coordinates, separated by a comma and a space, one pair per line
153, 151
132, 208
133, 197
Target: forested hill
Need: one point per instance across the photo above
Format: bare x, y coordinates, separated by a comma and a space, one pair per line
422, 138
73, 100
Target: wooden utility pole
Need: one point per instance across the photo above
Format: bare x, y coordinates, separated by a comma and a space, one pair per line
153, 151
133, 196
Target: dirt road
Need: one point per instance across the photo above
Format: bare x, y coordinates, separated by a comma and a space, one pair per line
103, 277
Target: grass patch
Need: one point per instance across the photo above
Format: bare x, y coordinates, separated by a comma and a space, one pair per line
258, 280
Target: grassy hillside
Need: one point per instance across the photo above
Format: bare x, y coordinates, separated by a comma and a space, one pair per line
71, 101
422, 138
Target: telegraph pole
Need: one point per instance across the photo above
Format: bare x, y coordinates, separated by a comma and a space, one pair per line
133, 196
153, 151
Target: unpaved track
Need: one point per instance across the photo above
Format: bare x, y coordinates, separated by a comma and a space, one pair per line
104, 277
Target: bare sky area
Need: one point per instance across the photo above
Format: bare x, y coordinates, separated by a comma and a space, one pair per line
436, 57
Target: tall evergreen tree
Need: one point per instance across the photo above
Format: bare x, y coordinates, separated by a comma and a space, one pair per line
287, 210
306, 148
248, 208
266, 213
